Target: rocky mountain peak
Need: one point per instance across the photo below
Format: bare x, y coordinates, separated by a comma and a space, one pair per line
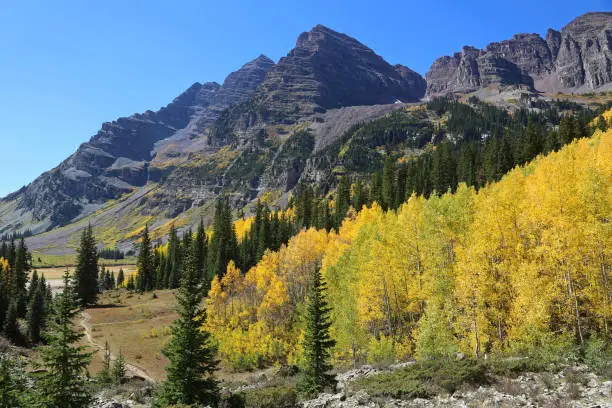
328, 69
576, 59
588, 24
321, 36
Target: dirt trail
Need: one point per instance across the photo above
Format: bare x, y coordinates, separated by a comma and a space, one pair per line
132, 368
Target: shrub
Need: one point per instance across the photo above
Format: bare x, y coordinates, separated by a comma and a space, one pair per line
269, 397
574, 376
544, 349
509, 387
425, 379
247, 361
598, 356
514, 367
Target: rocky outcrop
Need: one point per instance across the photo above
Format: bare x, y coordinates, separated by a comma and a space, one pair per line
327, 69
528, 389
578, 58
238, 87
585, 53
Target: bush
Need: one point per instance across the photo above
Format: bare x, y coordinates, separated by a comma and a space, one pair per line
269, 397
574, 391
545, 349
598, 356
548, 380
247, 361
514, 367
425, 379
574, 376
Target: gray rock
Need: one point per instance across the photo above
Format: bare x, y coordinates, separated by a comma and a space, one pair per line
327, 70
110, 404
579, 58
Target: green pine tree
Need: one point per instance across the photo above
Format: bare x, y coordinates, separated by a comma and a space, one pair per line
36, 313
120, 277
551, 143
505, 159
190, 351
567, 130
146, 269
173, 263
343, 199
20, 278
388, 184
317, 343
400, 186
444, 171
86, 273
14, 392
490, 158
4, 295
119, 368
223, 244
376, 190
33, 287
130, 284
201, 247
359, 195
62, 383
11, 325
602, 124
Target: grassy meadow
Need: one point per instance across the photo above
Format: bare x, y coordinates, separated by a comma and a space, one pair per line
136, 324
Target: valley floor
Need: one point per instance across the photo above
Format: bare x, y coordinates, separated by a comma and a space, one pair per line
139, 326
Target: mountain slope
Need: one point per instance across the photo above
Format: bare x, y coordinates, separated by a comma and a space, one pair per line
269, 126
578, 59
486, 271
117, 158
190, 155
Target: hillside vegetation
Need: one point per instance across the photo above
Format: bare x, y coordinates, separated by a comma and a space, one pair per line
519, 267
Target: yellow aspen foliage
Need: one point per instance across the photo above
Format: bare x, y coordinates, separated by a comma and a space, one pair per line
519, 266
303, 253
4, 265
259, 307
243, 227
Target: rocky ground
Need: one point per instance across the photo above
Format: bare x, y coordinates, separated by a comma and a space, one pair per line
573, 387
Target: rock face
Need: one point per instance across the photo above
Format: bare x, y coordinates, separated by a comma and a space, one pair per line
117, 158
327, 69
238, 87
579, 58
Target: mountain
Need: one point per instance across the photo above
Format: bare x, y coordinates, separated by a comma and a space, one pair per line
270, 126
329, 70
577, 59
117, 158
325, 70
161, 164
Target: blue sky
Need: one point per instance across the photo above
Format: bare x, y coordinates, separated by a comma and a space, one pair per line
68, 66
